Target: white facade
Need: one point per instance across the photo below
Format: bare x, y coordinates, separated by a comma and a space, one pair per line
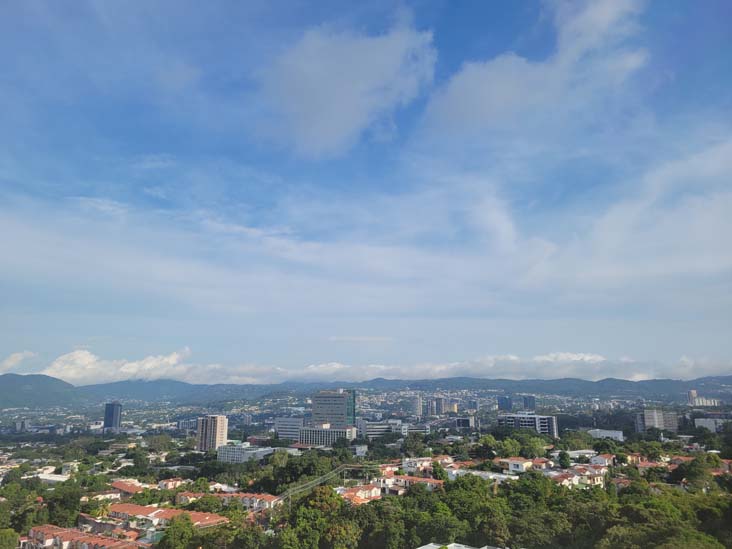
241, 453
605, 433
324, 435
288, 427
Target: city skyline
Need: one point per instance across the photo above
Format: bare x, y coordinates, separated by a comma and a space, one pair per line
248, 194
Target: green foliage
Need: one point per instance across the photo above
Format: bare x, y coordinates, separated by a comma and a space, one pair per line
178, 534
8, 539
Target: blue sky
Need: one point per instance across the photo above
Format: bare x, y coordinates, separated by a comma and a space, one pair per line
254, 192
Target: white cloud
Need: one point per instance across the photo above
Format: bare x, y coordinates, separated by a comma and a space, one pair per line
570, 357
332, 85
513, 95
82, 367
14, 360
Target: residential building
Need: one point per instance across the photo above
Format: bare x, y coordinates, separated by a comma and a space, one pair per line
545, 425
325, 435
606, 433
656, 419
505, 403
241, 453
288, 427
112, 417
212, 432
375, 429
692, 396
336, 408
603, 459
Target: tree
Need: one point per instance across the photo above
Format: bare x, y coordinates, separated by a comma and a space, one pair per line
8, 539
438, 471
178, 534
564, 461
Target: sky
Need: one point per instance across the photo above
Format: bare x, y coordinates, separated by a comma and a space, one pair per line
253, 192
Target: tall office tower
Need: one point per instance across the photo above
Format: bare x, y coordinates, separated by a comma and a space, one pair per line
112, 417
212, 432
529, 402
417, 406
337, 408
656, 419
505, 403
440, 406
546, 425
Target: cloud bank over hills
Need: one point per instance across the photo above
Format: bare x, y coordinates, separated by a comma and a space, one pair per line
82, 367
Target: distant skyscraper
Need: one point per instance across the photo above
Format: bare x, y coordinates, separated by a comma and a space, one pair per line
112, 417
417, 406
212, 432
440, 406
505, 403
692, 396
337, 408
529, 402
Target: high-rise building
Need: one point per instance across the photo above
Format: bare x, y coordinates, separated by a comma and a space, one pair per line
212, 432
546, 425
416, 406
112, 417
656, 419
288, 427
692, 395
440, 406
529, 402
505, 403
336, 408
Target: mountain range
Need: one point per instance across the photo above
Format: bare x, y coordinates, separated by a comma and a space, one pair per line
41, 391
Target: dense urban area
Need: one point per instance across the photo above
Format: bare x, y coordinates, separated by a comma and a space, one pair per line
361, 468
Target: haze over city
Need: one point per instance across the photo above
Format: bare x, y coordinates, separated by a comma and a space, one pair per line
331, 191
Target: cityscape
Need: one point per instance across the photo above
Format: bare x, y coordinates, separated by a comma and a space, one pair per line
397, 274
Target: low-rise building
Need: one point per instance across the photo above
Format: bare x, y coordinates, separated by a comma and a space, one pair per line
324, 435
242, 453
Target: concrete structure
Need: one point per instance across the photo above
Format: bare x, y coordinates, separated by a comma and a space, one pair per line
288, 427
529, 402
325, 435
656, 419
605, 433
375, 429
545, 425
241, 453
187, 424
336, 408
212, 432
112, 417
713, 424
467, 422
